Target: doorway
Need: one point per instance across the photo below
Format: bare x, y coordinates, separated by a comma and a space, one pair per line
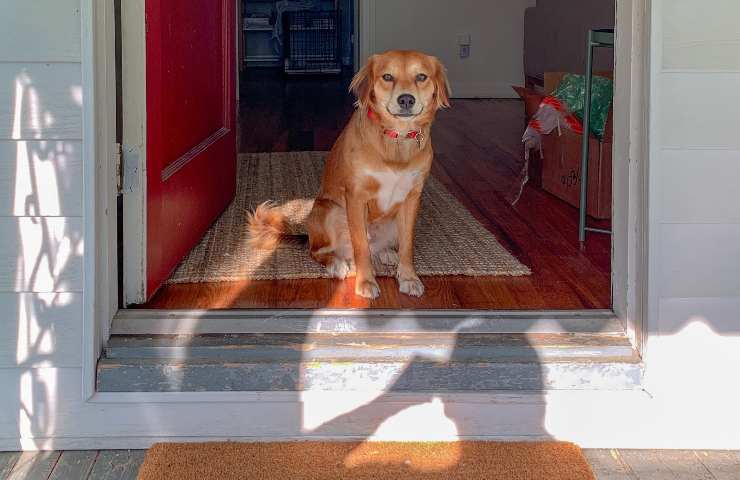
478, 162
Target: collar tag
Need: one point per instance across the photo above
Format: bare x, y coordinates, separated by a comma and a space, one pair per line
412, 134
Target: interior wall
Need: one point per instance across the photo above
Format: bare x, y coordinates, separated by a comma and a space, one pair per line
496, 28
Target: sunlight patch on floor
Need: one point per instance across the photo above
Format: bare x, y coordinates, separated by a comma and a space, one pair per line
422, 422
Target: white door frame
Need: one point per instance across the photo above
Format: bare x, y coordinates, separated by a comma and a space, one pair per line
133, 150
630, 153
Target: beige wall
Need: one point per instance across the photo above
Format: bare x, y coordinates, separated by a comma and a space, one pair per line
497, 33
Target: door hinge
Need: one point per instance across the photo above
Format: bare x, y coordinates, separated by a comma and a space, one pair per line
130, 168
118, 162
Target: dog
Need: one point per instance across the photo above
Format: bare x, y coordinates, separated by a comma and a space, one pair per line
374, 175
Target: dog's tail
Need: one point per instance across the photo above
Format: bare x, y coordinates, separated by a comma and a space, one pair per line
267, 226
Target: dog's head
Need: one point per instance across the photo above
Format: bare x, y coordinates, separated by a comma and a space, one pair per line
402, 87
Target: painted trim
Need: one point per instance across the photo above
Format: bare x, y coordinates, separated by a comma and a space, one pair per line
181, 162
91, 343
630, 151
654, 193
169, 322
133, 77
258, 416
357, 40
485, 398
638, 62
367, 30
100, 274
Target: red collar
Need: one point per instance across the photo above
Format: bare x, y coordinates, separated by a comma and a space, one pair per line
414, 134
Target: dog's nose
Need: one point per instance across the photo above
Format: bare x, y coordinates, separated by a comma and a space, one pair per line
406, 101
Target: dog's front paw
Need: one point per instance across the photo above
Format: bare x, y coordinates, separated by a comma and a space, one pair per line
367, 289
411, 286
408, 281
338, 268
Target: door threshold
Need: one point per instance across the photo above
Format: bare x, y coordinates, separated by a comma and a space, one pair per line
204, 322
344, 362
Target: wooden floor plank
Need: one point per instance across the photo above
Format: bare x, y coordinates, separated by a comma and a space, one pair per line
117, 465
666, 465
34, 466
608, 465
478, 157
7, 462
74, 464
724, 465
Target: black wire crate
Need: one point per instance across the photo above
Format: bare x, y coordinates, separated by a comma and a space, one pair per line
312, 42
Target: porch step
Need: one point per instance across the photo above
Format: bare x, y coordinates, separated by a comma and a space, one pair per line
401, 362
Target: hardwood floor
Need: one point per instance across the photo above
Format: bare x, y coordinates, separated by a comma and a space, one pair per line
606, 464
478, 158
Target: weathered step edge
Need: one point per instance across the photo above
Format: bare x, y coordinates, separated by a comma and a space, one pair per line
152, 376
369, 347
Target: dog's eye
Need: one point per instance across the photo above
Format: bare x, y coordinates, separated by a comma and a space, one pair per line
388, 77
421, 77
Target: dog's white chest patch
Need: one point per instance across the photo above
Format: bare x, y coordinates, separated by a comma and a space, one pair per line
394, 187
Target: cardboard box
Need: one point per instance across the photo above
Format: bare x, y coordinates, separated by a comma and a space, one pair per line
561, 172
561, 166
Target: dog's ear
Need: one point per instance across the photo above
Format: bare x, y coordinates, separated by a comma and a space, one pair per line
361, 85
442, 91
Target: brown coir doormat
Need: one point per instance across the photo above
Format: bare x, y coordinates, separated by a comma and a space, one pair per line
366, 461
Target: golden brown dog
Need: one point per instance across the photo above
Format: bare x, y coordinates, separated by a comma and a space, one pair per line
374, 174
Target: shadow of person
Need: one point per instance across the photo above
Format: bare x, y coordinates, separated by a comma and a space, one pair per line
469, 394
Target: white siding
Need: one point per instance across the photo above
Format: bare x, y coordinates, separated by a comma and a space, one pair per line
698, 110
709, 40
40, 212
693, 348
40, 101
41, 329
41, 254
41, 178
40, 30
685, 175
696, 161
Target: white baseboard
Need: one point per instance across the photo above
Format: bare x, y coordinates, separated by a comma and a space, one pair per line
591, 419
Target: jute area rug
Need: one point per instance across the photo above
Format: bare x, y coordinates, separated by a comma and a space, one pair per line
448, 241
370, 460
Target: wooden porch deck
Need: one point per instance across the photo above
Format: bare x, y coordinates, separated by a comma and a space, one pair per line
607, 465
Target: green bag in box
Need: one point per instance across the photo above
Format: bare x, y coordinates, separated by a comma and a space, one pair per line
572, 92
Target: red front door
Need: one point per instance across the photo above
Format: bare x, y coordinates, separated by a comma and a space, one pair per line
191, 119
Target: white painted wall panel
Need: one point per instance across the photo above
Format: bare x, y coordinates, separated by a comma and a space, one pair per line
41, 178
701, 186
40, 254
40, 30
40, 207
698, 110
722, 315
701, 35
699, 260
40, 330
432, 26
40, 101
